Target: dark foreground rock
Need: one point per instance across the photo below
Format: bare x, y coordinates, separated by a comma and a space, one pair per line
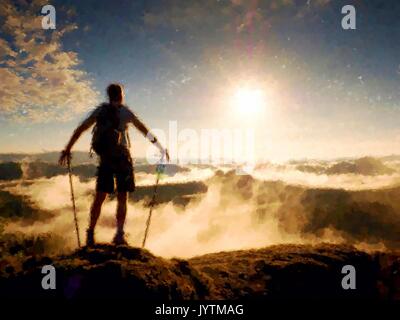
282, 271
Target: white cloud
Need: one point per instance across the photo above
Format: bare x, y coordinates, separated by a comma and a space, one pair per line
40, 80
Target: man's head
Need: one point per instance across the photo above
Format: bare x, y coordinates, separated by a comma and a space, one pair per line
115, 93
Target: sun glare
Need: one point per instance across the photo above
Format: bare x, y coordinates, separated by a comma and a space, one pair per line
249, 101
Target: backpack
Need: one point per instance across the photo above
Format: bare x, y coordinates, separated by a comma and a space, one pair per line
106, 136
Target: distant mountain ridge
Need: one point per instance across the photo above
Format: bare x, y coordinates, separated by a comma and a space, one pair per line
51, 157
79, 157
84, 157
367, 166
41, 169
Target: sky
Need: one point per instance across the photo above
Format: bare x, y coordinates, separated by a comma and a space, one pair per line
326, 92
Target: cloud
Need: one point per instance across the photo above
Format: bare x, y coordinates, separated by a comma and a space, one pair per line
40, 80
236, 212
353, 175
217, 221
350, 181
226, 16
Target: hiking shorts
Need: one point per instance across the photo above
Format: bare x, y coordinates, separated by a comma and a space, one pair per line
119, 170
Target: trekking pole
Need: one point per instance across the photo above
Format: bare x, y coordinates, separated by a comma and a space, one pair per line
73, 202
159, 170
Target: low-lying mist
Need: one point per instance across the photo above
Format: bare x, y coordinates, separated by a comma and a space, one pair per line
204, 210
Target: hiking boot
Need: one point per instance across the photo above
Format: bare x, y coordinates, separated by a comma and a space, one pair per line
90, 238
119, 239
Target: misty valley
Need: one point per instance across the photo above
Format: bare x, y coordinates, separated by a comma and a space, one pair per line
212, 223
346, 201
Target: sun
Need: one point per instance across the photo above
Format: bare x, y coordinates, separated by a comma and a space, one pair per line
249, 101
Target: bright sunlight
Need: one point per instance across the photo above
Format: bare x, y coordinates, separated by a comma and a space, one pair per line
249, 101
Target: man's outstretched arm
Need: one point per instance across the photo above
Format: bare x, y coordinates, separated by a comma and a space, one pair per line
85, 125
146, 132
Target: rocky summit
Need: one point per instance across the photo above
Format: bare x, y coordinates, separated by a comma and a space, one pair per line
281, 271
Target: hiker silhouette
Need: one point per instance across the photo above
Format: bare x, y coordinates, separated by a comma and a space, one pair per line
110, 141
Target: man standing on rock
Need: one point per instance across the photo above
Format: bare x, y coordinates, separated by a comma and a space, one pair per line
111, 143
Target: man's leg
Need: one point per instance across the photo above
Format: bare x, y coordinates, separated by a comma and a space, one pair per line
125, 183
94, 215
121, 210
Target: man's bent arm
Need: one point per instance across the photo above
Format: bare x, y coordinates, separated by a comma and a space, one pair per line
86, 124
146, 132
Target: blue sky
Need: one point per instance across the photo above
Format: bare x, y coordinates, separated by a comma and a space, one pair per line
335, 92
